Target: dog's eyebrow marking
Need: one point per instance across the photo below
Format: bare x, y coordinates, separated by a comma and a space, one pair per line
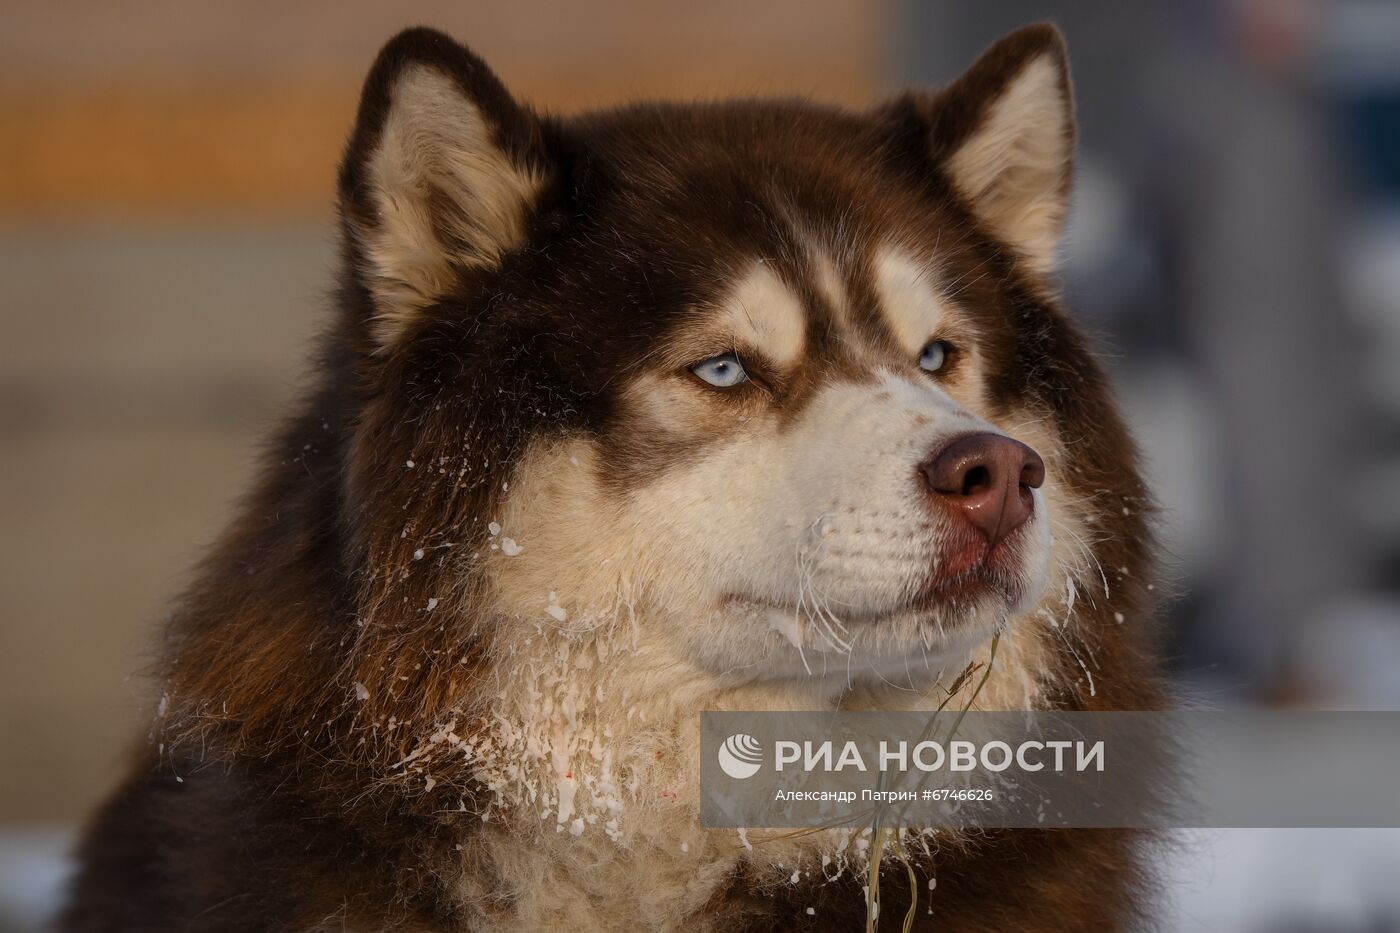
828, 284
762, 312
909, 298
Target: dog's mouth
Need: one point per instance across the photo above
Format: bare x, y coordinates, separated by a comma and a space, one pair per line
971, 569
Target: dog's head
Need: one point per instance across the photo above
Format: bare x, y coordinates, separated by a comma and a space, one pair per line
785, 382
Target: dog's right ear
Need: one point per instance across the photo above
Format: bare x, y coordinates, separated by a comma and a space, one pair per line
1003, 134
441, 176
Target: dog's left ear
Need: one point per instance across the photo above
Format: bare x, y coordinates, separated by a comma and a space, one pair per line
441, 176
1003, 133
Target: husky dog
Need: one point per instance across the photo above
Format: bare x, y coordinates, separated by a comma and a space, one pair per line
674, 407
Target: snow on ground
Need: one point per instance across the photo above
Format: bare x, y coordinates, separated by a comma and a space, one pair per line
1284, 881
33, 869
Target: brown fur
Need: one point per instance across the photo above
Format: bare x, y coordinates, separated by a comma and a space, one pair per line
272, 797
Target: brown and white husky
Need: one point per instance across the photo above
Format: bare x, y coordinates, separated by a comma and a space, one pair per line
674, 407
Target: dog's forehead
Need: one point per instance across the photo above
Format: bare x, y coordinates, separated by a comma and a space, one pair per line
887, 299
777, 230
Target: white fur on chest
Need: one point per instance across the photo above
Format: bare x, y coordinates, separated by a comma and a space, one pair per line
591, 755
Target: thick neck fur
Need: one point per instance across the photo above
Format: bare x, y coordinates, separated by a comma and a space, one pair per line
590, 753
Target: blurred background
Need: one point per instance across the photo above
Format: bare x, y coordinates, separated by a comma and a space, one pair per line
166, 248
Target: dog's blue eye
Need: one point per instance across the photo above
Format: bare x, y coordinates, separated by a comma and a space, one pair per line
934, 356
723, 371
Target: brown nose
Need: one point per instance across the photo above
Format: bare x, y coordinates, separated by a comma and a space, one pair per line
988, 478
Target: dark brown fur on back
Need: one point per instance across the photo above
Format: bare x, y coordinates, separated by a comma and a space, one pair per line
268, 797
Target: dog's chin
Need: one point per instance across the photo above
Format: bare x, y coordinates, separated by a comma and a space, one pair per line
970, 587
931, 618
756, 641
911, 646
969, 608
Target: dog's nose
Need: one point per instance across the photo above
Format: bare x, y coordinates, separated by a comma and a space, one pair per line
988, 479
